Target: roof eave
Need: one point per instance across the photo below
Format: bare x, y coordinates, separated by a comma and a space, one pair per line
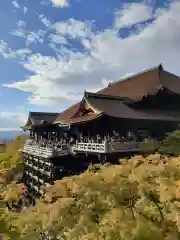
25, 128
79, 121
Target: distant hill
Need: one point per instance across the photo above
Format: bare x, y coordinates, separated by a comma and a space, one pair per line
9, 135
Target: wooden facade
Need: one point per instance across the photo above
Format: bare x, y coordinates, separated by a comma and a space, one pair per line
102, 125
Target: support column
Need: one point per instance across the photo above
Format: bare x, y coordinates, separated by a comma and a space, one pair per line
35, 136
106, 146
31, 133
37, 133
48, 135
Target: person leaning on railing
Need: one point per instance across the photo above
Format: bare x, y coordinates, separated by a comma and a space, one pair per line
65, 139
72, 140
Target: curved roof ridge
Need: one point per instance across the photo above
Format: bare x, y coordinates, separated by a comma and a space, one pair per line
99, 95
48, 113
158, 67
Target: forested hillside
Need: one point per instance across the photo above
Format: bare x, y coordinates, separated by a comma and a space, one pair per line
11, 168
139, 199
10, 160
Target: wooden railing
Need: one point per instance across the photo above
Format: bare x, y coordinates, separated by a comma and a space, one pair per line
44, 152
37, 151
106, 147
123, 147
89, 147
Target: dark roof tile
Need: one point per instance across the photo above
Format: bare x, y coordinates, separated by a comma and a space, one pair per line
37, 118
134, 87
116, 108
81, 119
67, 113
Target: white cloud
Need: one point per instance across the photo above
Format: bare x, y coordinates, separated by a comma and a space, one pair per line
45, 21
60, 3
15, 4
3, 47
58, 39
20, 30
35, 37
19, 33
61, 79
8, 53
25, 9
49, 94
73, 28
21, 23
86, 43
13, 116
9, 129
22, 53
11, 121
29, 36
133, 13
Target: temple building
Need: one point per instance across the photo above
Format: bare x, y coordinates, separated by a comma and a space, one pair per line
108, 123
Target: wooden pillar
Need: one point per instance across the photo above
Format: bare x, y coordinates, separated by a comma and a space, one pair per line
57, 134
33, 133
30, 133
48, 135
38, 137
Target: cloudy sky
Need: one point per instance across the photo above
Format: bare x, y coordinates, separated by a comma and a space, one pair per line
53, 50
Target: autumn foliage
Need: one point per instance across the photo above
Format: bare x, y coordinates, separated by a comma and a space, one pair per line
11, 160
138, 199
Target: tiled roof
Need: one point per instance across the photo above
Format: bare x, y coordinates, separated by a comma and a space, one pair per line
133, 88
116, 108
136, 86
81, 119
67, 113
37, 118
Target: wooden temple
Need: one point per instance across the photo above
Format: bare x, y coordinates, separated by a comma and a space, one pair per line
101, 126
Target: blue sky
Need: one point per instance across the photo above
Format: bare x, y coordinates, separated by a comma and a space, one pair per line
53, 50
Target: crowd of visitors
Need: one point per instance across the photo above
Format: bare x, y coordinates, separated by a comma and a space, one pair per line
55, 143
48, 143
66, 140
115, 137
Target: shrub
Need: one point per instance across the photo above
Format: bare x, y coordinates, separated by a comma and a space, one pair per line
171, 144
151, 146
